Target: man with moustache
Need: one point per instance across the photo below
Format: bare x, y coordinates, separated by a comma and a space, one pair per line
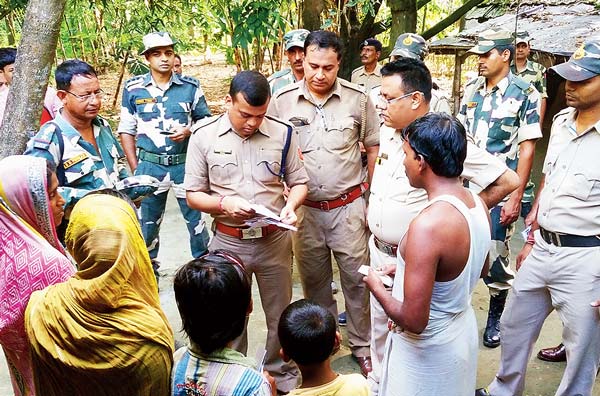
157, 112
330, 117
369, 74
501, 112
294, 50
405, 96
78, 141
561, 269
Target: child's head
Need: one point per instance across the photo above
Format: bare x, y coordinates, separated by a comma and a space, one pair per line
307, 332
213, 295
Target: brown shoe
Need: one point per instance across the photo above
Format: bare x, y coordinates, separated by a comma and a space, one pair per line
364, 362
554, 354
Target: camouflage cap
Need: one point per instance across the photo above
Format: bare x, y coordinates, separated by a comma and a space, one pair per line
410, 45
371, 42
156, 39
295, 38
584, 63
522, 37
490, 39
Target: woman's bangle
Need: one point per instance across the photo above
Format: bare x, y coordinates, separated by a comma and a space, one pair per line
221, 204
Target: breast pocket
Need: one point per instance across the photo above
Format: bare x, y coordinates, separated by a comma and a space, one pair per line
584, 184
340, 134
502, 129
307, 139
268, 166
178, 112
147, 111
223, 169
76, 172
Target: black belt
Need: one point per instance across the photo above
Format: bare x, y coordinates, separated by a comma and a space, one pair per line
568, 240
388, 248
162, 159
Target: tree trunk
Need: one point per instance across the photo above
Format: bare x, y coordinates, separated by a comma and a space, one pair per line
404, 18
450, 19
35, 56
311, 14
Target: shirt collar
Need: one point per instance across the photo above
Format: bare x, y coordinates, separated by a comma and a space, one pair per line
335, 90
175, 79
570, 123
225, 355
376, 72
70, 133
225, 126
501, 86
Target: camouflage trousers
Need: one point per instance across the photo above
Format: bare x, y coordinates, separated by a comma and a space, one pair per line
500, 276
153, 208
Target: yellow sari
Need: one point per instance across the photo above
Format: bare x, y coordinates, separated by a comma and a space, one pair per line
102, 332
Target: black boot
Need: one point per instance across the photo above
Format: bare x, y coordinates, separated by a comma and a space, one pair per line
491, 335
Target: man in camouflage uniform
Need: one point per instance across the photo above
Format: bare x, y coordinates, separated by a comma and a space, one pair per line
78, 141
158, 109
501, 112
369, 74
330, 117
294, 49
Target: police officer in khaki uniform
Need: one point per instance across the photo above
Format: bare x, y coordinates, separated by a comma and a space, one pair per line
394, 202
561, 270
330, 117
241, 159
369, 74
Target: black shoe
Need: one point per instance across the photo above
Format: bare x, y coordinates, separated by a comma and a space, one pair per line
482, 392
491, 335
342, 319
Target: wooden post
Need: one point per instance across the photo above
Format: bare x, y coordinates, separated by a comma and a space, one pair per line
458, 61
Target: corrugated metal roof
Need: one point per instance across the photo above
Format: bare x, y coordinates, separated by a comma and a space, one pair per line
556, 27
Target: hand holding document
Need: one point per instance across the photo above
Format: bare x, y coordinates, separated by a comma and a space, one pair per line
265, 216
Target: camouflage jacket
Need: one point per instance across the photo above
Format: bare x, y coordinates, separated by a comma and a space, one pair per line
84, 168
280, 79
533, 73
149, 112
504, 117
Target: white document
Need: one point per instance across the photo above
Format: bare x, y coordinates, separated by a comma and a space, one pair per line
265, 216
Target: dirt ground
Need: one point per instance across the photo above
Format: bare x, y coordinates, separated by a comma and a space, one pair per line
542, 378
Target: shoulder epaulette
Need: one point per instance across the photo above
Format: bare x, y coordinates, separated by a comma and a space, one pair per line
205, 122
134, 80
477, 80
191, 80
278, 74
563, 112
356, 70
43, 138
275, 119
286, 89
355, 87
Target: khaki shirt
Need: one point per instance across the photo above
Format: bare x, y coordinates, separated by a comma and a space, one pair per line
394, 203
368, 80
570, 200
221, 162
328, 134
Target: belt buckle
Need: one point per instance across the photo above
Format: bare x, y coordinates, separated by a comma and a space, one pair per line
252, 233
169, 160
324, 205
343, 197
555, 239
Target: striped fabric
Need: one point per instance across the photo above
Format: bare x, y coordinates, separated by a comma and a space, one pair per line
224, 372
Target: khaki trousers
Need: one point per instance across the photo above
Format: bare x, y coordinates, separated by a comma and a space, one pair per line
566, 279
341, 231
269, 259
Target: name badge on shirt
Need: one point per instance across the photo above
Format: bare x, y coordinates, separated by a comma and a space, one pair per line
145, 101
471, 105
74, 160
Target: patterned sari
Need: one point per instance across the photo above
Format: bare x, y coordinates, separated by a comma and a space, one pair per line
31, 257
103, 331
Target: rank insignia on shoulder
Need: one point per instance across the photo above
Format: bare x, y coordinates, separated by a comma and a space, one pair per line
145, 101
75, 160
529, 90
471, 105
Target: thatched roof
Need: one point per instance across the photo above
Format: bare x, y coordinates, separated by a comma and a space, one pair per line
556, 27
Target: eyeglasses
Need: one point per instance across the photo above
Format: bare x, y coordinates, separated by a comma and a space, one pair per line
86, 98
388, 102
